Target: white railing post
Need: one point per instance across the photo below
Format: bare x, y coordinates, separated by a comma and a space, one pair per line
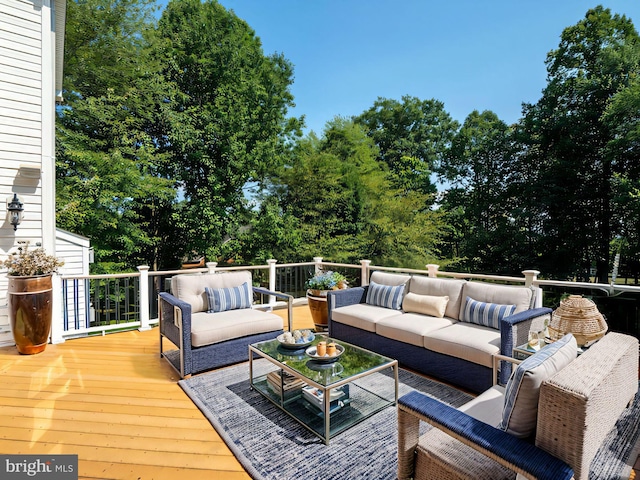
57, 307
212, 266
318, 262
144, 298
364, 272
272, 280
530, 276
433, 269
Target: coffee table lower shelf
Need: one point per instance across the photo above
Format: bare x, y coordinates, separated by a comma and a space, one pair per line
356, 405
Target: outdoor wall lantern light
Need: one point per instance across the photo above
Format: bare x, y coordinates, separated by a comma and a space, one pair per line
15, 211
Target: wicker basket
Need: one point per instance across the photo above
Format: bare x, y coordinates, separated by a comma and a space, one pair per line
579, 316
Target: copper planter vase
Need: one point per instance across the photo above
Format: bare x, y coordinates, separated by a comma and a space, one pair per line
30, 307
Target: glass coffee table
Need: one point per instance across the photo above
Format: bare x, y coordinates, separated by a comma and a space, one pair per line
325, 397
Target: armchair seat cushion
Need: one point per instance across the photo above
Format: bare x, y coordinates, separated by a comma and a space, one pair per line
474, 343
210, 328
362, 315
410, 327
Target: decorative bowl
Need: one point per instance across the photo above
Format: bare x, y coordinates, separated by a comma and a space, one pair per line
311, 352
294, 345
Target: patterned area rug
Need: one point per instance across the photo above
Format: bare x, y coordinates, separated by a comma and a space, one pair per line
270, 445
617, 454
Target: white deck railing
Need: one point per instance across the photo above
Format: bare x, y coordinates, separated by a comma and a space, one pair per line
98, 304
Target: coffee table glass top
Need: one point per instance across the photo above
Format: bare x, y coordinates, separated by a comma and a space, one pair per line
352, 363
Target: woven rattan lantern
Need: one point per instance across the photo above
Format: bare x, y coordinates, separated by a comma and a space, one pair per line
579, 316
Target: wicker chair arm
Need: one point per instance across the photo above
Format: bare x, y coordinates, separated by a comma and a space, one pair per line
175, 302
289, 299
347, 296
514, 453
514, 330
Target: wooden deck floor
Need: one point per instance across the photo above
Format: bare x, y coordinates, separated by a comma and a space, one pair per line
112, 401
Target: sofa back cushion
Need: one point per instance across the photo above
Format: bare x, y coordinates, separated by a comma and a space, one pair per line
520, 412
485, 314
384, 278
387, 296
499, 294
440, 287
229, 298
190, 287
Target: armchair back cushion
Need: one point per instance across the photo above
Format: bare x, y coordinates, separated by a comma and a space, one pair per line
520, 412
499, 294
190, 287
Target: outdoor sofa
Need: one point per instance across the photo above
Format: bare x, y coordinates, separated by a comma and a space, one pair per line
211, 318
556, 419
446, 328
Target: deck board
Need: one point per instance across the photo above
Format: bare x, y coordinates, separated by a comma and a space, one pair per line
116, 404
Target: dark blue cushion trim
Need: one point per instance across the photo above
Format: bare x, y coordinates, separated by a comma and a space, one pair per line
530, 458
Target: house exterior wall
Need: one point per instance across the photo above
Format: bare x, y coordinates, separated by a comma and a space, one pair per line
27, 116
74, 250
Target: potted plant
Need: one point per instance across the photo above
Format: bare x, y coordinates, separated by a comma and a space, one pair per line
30, 297
317, 288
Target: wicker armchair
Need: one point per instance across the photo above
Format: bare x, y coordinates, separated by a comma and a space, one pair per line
210, 331
577, 407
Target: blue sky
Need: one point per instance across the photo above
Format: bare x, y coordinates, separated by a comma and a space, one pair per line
469, 54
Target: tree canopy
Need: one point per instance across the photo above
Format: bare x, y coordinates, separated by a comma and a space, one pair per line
176, 140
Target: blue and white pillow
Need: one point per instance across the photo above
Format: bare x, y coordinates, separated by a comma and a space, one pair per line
520, 411
232, 298
387, 296
486, 314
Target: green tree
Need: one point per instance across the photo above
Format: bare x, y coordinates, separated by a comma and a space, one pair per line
345, 205
567, 142
480, 203
107, 186
411, 136
227, 124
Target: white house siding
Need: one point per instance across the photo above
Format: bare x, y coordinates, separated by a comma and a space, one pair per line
74, 250
27, 109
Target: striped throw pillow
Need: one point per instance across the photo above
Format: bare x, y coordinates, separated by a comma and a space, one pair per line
386, 296
232, 298
485, 314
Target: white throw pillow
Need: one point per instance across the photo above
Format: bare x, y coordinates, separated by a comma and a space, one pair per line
432, 305
520, 412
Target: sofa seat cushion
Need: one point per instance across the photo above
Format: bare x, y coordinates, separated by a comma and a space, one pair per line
209, 328
410, 327
466, 341
361, 315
